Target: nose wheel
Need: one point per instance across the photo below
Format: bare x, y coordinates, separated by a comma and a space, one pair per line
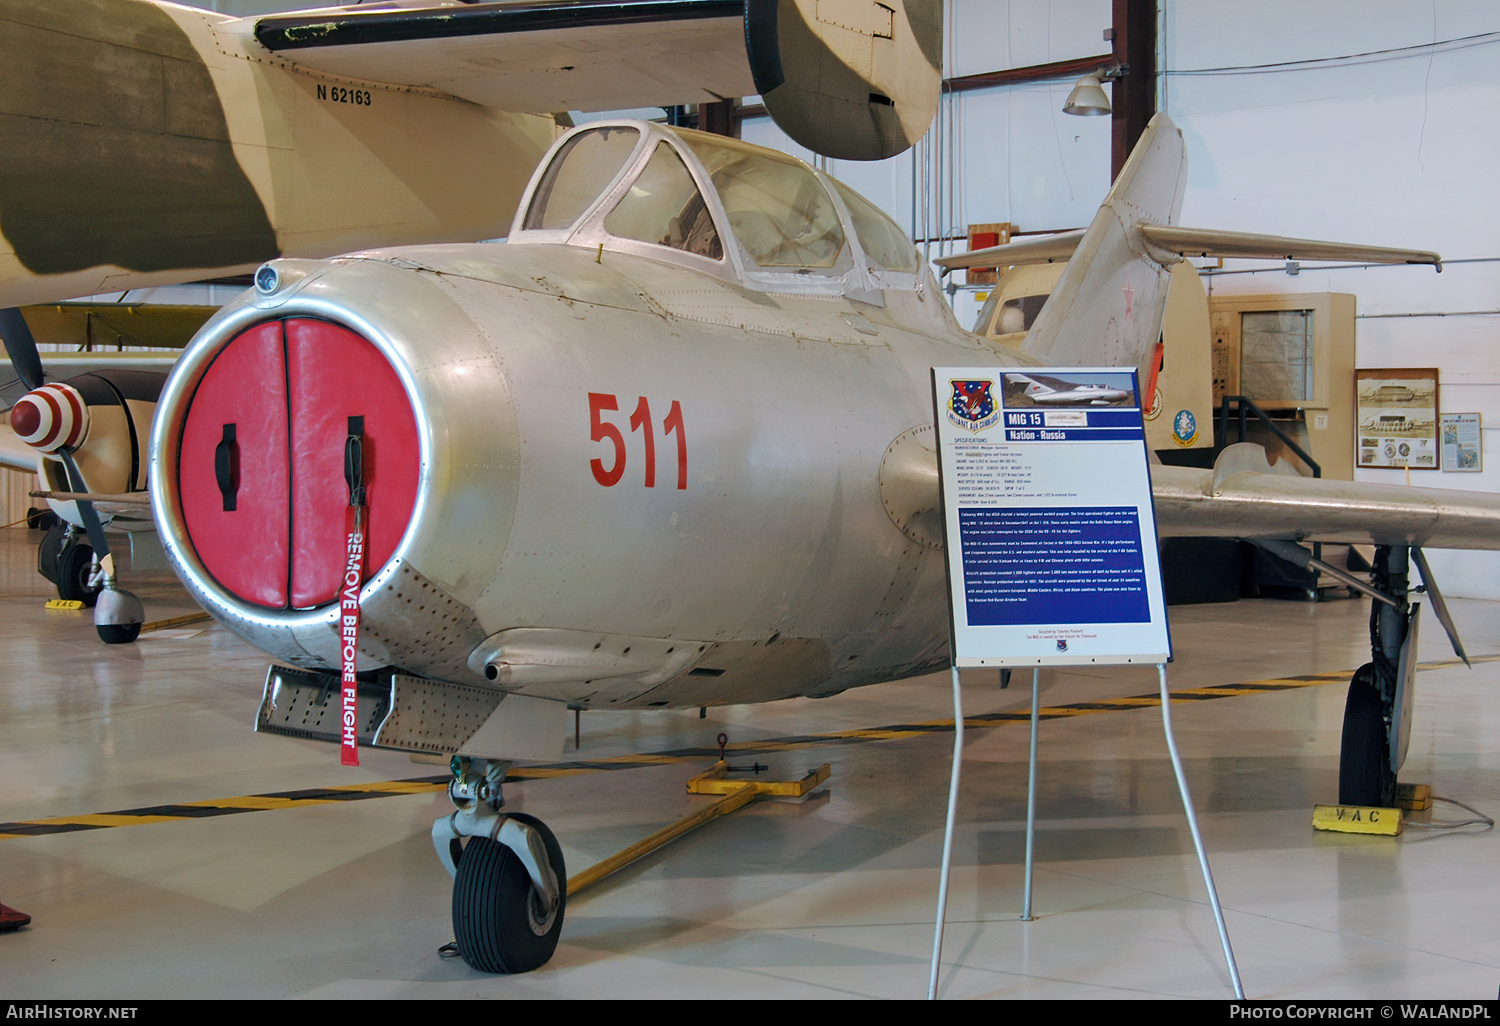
509, 879
500, 921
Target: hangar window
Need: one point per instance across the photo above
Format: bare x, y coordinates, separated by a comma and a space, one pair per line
884, 244
776, 206
664, 207
580, 172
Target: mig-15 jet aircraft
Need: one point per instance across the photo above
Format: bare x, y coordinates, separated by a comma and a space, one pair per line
671, 446
1054, 391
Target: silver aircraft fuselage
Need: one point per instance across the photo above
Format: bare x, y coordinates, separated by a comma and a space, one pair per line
754, 551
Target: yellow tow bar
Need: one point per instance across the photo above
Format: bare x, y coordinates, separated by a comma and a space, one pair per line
734, 794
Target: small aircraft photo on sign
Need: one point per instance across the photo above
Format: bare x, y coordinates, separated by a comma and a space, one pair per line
1026, 390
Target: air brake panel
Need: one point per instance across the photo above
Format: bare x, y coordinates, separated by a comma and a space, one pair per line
261, 472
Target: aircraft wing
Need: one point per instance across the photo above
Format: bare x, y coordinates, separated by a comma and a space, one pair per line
61, 366
14, 453
136, 505
1240, 499
852, 79
153, 325
541, 57
1191, 242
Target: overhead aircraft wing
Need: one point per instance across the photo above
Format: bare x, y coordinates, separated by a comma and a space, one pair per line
854, 79
540, 57
1243, 497
1191, 242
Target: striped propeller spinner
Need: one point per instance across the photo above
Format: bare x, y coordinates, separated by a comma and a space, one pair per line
51, 418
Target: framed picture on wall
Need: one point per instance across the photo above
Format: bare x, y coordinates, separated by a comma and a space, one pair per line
1396, 417
1461, 442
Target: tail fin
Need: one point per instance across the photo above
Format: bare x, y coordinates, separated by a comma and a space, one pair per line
1106, 310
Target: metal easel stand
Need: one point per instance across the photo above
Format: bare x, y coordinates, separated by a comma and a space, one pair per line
1036, 678
942, 906
1192, 818
958, 758
1026, 916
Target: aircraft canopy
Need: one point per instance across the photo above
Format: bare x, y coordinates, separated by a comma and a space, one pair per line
719, 204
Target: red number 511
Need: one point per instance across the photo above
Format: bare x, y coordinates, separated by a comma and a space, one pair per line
640, 420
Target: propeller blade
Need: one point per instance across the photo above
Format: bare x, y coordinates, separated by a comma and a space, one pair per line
91, 522
20, 346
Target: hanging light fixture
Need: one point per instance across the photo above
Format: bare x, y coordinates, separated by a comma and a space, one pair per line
1087, 97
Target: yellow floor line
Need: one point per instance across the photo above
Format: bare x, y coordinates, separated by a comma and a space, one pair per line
339, 793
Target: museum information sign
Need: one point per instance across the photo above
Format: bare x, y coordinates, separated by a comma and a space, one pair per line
1051, 536
1462, 445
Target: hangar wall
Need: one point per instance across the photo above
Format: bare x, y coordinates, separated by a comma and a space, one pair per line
1396, 148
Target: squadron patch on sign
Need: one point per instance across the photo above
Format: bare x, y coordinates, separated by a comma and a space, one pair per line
972, 405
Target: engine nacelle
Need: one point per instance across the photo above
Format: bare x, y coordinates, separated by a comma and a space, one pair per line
854, 79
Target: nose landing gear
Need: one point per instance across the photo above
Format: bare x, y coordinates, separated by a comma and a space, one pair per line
509, 880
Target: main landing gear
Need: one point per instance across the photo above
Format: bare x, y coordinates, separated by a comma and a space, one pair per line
1377, 713
69, 560
1365, 775
509, 880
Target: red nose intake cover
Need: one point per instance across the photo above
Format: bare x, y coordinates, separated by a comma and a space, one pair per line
260, 471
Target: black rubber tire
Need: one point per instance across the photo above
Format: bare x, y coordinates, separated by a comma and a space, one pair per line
1365, 776
494, 906
73, 568
118, 633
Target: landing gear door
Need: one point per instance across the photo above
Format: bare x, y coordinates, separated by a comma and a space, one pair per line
1406, 680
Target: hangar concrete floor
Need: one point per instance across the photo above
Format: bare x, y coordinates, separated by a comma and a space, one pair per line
832, 896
